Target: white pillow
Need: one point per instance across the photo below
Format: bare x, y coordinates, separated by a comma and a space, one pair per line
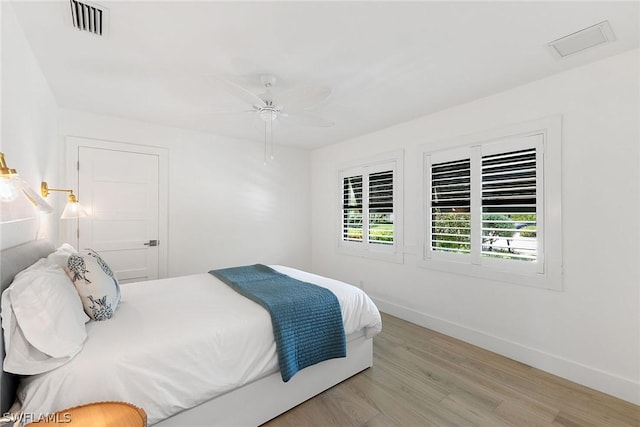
43, 320
61, 255
95, 282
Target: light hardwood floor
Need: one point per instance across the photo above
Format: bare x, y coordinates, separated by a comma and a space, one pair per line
422, 378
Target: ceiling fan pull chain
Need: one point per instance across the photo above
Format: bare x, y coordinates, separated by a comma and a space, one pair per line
265, 143
271, 142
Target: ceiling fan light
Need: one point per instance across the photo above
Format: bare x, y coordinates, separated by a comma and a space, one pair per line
269, 116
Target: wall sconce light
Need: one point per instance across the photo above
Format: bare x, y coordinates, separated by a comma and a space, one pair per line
73, 209
12, 186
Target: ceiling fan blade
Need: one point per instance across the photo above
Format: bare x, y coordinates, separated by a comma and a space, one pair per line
225, 113
303, 97
308, 119
216, 112
241, 93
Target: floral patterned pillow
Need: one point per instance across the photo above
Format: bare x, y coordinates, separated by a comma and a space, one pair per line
95, 282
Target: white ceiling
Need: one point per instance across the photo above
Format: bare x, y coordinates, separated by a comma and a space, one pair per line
385, 62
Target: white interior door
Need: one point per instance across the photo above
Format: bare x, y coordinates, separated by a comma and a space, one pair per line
120, 191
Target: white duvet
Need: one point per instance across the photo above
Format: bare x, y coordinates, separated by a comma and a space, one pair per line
175, 343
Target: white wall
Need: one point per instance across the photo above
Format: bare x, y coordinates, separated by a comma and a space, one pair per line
29, 129
225, 207
590, 332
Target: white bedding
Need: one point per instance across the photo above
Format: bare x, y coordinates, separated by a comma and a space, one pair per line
175, 343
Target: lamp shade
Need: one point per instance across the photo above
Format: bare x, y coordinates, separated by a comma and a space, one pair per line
15, 207
73, 209
8, 189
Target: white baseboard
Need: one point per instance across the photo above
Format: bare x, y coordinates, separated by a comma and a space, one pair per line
605, 382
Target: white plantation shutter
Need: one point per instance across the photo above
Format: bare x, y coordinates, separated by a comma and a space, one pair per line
352, 212
381, 230
371, 196
368, 207
509, 205
483, 203
450, 206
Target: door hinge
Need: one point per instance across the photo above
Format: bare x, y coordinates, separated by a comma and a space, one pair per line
78, 165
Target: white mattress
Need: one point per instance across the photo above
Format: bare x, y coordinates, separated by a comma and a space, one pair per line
175, 343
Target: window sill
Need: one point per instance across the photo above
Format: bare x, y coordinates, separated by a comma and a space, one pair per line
395, 256
551, 280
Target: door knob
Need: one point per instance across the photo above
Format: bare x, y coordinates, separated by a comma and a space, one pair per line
152, 243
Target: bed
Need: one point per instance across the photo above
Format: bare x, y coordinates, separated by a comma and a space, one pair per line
149, 332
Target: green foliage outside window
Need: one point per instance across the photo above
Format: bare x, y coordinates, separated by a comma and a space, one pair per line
455, 229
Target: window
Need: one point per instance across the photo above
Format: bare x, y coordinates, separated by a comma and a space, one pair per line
510, 204
352, 209
450, 206
485, 207
371, 199
381, 227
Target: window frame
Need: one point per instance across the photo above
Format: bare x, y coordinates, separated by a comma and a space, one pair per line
546, 272
365, 167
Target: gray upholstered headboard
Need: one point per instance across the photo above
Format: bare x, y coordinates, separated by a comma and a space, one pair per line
14, 260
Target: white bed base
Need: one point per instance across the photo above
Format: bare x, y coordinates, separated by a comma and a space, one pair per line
256, 403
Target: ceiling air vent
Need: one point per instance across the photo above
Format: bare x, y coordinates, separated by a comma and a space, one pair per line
584, 39
89, 17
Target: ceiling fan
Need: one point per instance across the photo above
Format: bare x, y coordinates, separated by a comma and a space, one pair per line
271, 108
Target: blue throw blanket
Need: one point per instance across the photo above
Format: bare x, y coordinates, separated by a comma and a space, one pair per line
307, 321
